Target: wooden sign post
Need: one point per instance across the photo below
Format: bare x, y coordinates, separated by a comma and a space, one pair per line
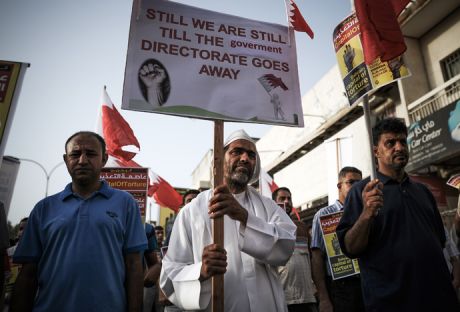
218, 224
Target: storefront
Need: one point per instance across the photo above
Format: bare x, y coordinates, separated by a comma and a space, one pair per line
434, 144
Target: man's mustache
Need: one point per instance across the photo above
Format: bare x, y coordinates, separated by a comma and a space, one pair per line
400, 155
82, 168
245, 166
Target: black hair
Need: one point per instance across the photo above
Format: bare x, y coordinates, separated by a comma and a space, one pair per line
89, 133
275, 192
343, 172
191, 191
388, 125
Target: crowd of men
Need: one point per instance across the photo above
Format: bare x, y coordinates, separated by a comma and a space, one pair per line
85, 248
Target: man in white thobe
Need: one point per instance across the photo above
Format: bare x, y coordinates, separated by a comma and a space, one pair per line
258, 237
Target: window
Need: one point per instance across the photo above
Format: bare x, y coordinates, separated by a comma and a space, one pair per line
450, 65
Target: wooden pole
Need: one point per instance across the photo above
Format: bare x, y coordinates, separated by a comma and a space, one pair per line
367, 119
218, 224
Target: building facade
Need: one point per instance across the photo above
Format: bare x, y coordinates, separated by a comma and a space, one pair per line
428, 101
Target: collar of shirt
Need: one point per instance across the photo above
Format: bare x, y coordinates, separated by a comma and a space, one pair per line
105, 190
386, 179
338, 205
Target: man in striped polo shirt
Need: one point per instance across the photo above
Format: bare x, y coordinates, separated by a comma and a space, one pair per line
343, 294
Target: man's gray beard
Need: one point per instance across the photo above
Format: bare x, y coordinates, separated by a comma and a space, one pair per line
238, 180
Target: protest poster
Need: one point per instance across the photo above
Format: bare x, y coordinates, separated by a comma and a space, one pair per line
341, 266
359, 79
133, 180
11, 76
192, 62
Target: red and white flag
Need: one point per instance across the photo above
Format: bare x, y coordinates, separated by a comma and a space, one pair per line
381, 34
115, 130
266, 184
117, 134
163, 193
296, 19
294, 210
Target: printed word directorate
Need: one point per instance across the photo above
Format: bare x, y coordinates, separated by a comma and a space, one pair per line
212, 55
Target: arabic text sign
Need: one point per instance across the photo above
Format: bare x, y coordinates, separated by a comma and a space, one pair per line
435, 137
133, 180
197, 63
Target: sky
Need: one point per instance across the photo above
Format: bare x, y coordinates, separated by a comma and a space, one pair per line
75, 48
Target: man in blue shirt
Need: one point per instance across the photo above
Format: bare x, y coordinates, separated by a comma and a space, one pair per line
81, 250
393, 226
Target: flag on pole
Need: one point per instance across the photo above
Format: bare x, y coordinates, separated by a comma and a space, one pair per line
381, 34
117, 132
296, 213
266, 184
163, 193
296, 19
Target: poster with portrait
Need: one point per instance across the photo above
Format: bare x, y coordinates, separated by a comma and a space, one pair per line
133, 180
340, 265
358, 77
192, 62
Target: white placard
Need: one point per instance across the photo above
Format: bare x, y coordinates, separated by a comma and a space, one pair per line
197, 63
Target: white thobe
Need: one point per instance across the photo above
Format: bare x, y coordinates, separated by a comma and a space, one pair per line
251, 282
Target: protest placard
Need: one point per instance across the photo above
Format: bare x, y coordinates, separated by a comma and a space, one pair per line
359, 79
11, 76
191, 62
454, 181
133, 180
341, 266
